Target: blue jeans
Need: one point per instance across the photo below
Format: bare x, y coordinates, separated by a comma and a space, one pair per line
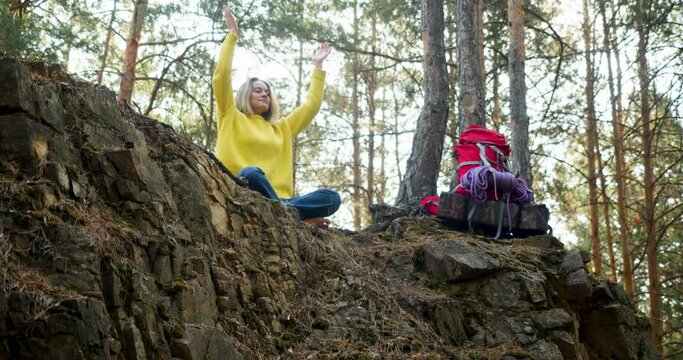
320, 203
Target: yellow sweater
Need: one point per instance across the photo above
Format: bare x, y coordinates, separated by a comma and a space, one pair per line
253, 141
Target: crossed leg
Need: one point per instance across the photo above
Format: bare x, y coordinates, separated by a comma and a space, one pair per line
312, 207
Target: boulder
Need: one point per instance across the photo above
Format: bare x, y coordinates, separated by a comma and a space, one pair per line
456, 261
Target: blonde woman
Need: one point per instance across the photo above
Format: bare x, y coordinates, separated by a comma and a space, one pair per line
255, 143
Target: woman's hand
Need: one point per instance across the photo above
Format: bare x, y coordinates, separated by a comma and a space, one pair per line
320, 54
230, 20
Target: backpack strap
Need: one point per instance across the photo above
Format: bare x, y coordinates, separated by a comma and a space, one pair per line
501, 160
504, 209
501, 211
465, 163
471, 214
482, 154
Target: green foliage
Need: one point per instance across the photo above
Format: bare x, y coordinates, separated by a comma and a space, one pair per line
19, 35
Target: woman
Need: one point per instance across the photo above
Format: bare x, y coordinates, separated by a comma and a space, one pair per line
255, 144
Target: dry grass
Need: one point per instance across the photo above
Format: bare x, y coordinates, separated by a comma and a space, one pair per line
24, 239
111, 233
17, 278
360, 270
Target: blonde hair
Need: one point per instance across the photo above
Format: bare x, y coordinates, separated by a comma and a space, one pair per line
244, 105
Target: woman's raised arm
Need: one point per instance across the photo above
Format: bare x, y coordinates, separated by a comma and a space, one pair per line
303, 115
230, 20
222, 75
320, 54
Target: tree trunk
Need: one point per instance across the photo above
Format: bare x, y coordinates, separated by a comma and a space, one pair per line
496, 117
519, 121
592, 140
371, 84
422, 169
605, 214
357, 202
397, 112
480, 43
107, 42
470, 84
452, 81
623, 206
131, 53
654, 285
381, 193
620, 175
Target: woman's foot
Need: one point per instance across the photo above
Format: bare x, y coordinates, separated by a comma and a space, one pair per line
319, 222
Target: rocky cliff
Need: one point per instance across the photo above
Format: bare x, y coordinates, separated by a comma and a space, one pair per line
121, 240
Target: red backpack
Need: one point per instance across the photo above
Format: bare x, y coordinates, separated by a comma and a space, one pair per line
483, 159
479, 146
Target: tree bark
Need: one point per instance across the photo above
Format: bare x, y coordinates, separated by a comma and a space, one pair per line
381, 193
480, 43
107, 43
371, 84
422, 169
592, 140
605, 214
397, 113
496, 117
654, 285
471, 108
629, 273
452, 81
131, 53
519, 121
357, 201
620, 173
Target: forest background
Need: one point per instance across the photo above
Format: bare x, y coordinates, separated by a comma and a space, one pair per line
603, 100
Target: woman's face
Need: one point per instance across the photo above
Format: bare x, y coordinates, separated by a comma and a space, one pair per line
260, 97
